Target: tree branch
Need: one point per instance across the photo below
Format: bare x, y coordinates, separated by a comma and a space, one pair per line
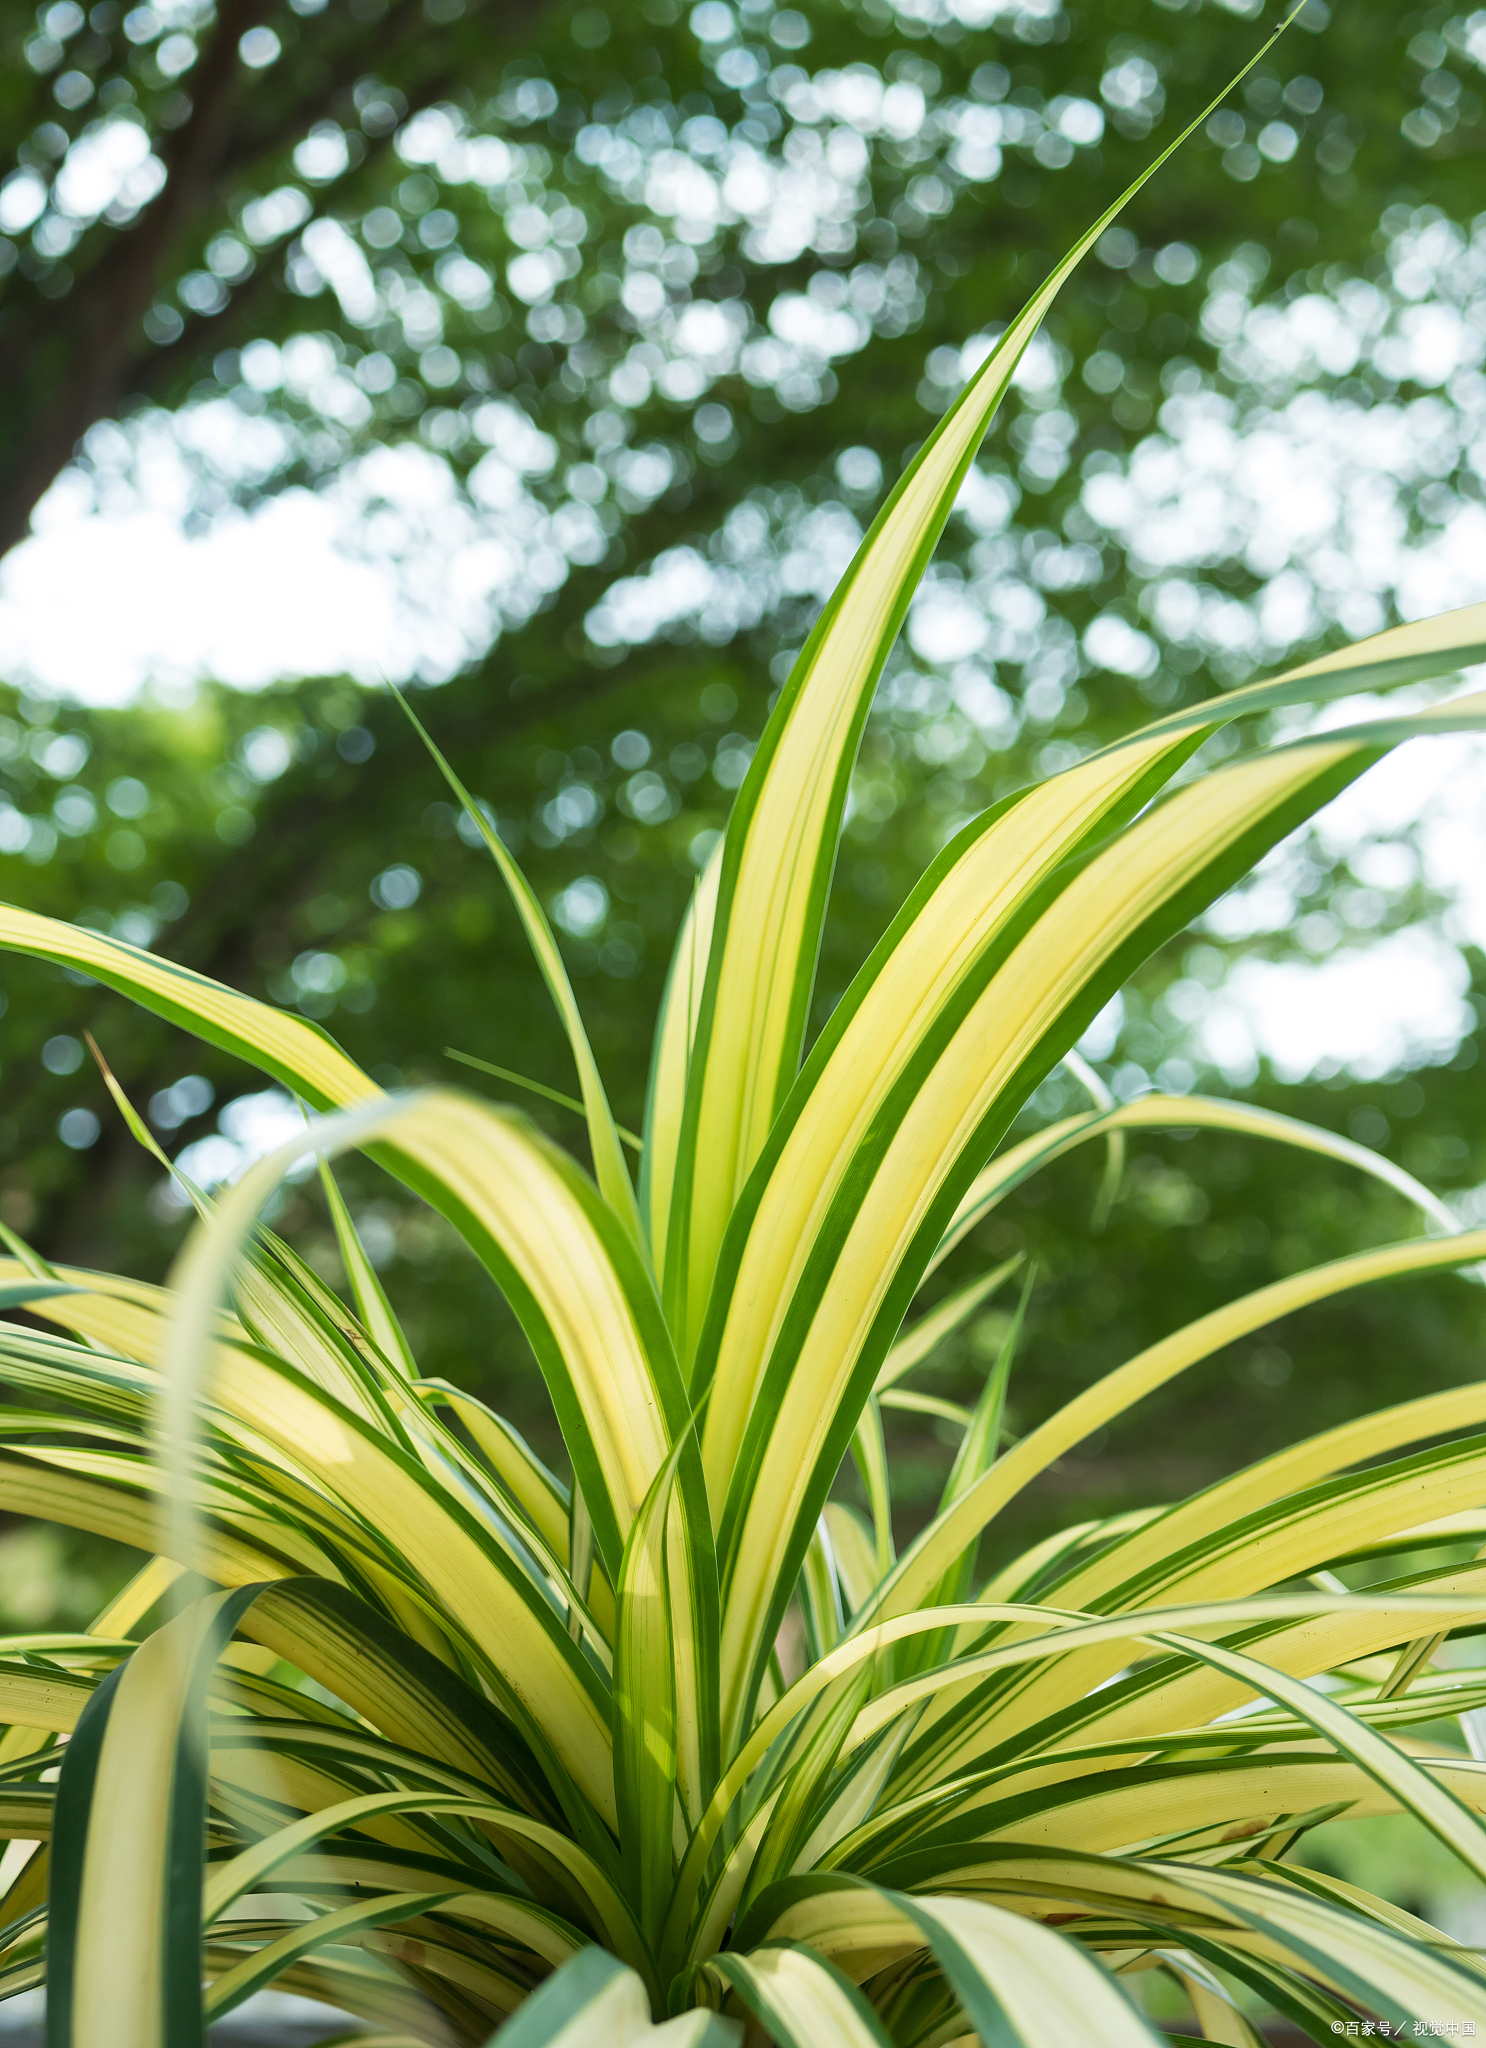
104, 350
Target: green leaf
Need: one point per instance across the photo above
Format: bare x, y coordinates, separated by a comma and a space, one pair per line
670, 1064
646, 1706
20, 1293
370, 1296
608, 1160
999, 960
467, 1059
803, 2000
1021, 1985
124, 1905
947, 1536
594, 2000
1418, 1791
1174, 1113
780, 847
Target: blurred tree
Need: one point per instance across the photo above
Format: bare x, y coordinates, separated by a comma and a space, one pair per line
129, 161
650, 305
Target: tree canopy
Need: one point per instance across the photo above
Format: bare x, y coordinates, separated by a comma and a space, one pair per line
606, 329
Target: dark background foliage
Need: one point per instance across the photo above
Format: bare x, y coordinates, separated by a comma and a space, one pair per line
467, 231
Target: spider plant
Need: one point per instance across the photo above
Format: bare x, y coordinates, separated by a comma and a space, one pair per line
398, 1718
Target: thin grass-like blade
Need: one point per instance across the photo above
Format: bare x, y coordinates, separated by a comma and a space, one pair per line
941, 1321
1419, 1792
609, 1165
646, 1708
1158, 1112
370, 1296
924, 1563
675, 1031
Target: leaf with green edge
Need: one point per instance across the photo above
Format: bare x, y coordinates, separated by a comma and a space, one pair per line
124, 1903
946, 1537
780, 846
270, 1961
1033, 1570
1028, 1767
1099, 920
1304, 2004
286, 1308
539, 1494
1073, 1699
594, 1999
279, 1293
1175, 1112
982, 1441
515, 1923
1323, 1885
608, 1160
847, 1211
670, 1062
863, 1783
1300, 1476
505, 1617
29, 1260
556, 1697
590, 1996
1397, 1979
1230, 1920
23, 1911
581, 1552
567, 1267
1418, 1791
463, 1476
289, 1048
1275, 1516
911, 1403
21, 1293
1424, 650
820, 1594
134, 1600
801, 1778
1021, 1985
128, 1514
802, 1999
869, 1454
34, 1695
646, 1707
139, 1130
244, 1374
1114, 1153
579, 1287
242, 1873
1059, 1632
854, 1551
1213, 1808
977, 1452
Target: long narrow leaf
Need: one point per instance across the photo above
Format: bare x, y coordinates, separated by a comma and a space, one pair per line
780, 846
609, 1165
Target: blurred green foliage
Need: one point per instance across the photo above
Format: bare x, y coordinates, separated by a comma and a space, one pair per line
665, 297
